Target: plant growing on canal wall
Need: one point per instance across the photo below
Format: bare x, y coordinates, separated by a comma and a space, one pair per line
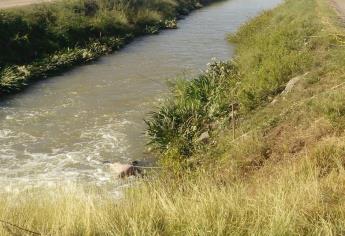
194, 108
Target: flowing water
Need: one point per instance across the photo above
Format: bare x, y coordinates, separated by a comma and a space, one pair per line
61, 129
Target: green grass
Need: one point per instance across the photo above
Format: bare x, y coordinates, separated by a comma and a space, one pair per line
45, 35
195, 106
284, 172
281, 47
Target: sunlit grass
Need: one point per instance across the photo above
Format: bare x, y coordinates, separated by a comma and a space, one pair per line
297, 198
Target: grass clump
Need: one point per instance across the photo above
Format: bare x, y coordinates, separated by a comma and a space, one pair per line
195, 106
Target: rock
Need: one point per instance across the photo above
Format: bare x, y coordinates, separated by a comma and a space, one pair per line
204, 137
288, 88
291, 84
275, 100
198, 5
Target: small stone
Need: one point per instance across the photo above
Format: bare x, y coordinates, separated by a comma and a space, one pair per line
291, 84
274, 101
203, 137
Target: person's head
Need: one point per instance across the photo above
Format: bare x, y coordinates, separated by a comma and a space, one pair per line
135, 163
137, 169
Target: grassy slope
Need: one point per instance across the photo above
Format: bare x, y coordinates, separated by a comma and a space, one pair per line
282, 175
55, 36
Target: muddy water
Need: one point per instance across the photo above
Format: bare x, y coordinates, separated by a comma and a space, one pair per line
63, 128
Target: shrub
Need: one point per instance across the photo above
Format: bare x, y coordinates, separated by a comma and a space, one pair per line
193, 109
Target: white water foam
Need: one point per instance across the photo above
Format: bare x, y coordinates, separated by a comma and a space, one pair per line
81, 162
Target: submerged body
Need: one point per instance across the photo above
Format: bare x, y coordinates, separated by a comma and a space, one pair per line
125, 170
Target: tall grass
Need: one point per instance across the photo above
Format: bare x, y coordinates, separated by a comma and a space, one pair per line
195, 107
298, 198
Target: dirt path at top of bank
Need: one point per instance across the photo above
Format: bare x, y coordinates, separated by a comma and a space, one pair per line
340, 7
17, 3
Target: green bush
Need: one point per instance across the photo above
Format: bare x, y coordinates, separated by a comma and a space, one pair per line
193, 108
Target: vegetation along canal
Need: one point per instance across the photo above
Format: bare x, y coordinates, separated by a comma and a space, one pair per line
64, 127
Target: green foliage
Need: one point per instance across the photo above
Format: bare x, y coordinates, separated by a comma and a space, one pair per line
196, 105
15, 78
270, 50
33, 33
37, 33
273, 48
